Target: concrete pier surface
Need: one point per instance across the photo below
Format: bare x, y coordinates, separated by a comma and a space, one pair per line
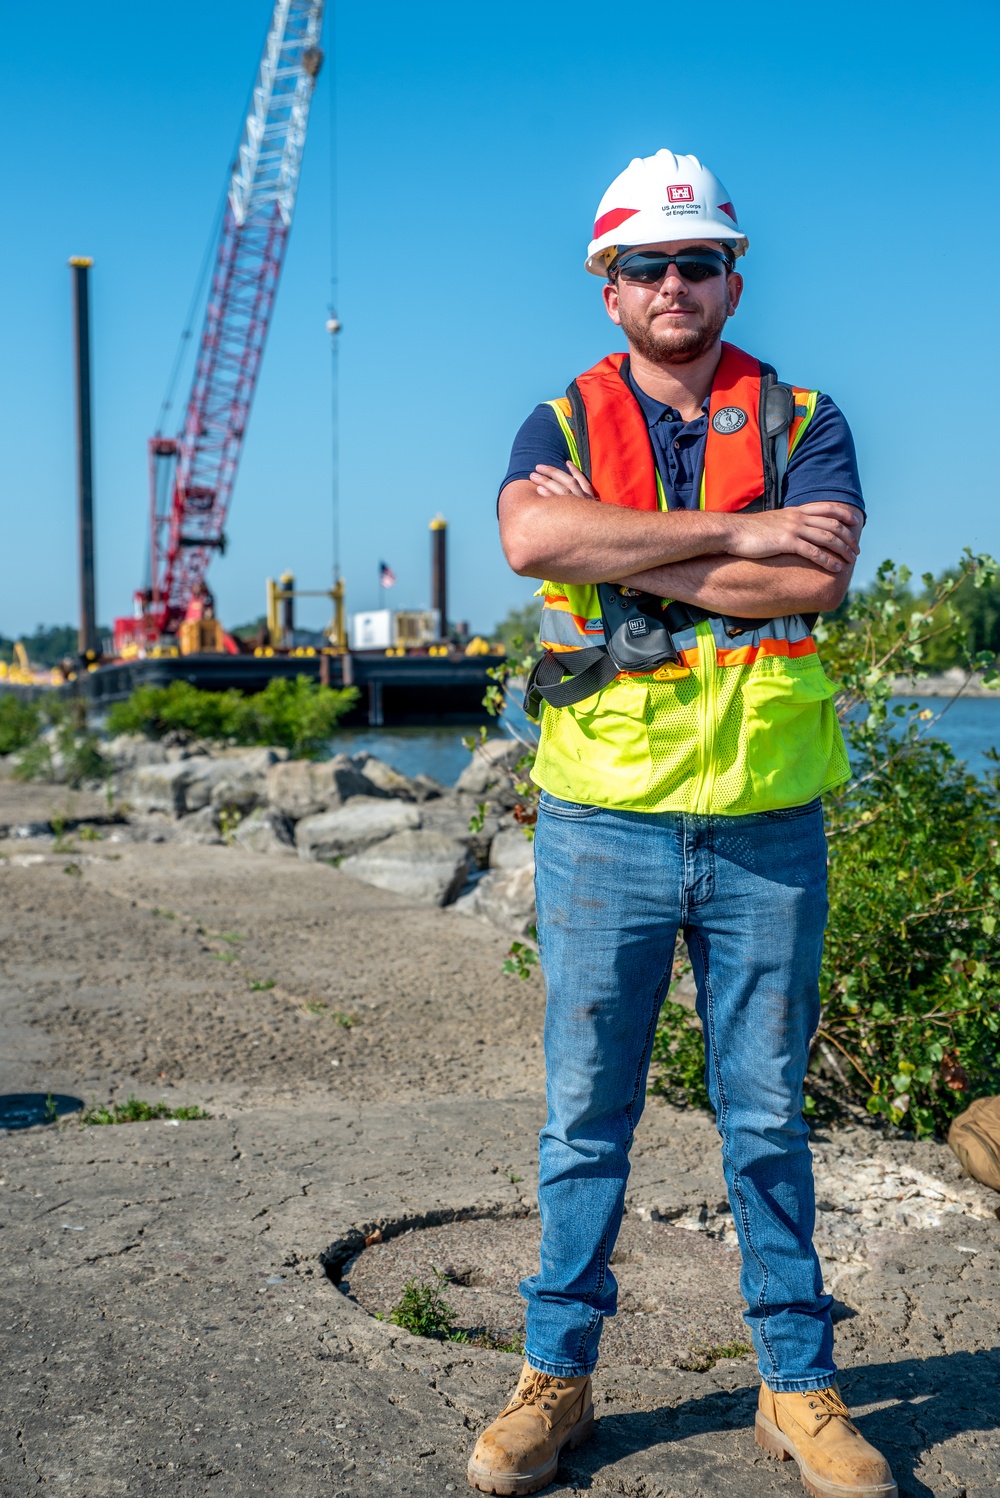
170, 1307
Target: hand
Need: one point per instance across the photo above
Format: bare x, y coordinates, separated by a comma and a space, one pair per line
549, 482
825, 533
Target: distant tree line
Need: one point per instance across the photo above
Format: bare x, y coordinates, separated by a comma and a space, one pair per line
50, 643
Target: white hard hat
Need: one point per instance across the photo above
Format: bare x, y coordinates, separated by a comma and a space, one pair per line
659, 198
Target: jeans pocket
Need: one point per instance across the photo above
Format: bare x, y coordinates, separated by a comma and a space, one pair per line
789, 813
570, 811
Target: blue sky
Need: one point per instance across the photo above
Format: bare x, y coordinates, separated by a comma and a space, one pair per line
858, 142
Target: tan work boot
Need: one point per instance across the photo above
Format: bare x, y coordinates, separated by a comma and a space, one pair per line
519, 1452
815, 1430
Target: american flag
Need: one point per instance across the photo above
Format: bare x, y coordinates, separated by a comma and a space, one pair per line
386, 576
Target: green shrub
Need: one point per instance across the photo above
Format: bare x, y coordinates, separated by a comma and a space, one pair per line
679, 1057
77, 746
300, 715
20, 722
911, 972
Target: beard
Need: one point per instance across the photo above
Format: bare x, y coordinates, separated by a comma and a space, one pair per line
673, 345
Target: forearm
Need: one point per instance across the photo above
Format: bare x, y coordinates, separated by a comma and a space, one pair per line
550, 529
573, 540
764, 589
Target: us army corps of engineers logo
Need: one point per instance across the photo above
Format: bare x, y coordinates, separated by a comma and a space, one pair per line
729, 420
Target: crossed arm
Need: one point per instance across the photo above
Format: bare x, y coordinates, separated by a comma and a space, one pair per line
791, 561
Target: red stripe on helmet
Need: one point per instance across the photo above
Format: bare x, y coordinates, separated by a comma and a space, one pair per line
730, 210
612, 219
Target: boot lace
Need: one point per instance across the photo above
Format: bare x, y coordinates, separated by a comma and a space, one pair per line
534, 1391
827, 1405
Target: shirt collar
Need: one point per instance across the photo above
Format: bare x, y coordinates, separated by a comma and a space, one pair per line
655, 410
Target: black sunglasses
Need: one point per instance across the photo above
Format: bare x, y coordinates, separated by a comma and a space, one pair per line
648, 267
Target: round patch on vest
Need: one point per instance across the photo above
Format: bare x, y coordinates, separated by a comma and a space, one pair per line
730, 419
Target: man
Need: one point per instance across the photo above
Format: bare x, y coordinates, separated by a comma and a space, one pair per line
696, 516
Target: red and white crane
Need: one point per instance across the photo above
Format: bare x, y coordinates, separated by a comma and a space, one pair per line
192, 475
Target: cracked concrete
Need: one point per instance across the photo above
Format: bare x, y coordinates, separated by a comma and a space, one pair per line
166, 1317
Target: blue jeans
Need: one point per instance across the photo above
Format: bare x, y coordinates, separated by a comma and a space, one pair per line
749, 893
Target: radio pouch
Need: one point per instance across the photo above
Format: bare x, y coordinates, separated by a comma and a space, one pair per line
636, 639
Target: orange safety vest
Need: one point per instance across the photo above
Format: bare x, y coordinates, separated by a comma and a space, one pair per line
622, 466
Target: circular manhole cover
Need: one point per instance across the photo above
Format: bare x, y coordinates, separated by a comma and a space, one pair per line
22, 1110
679, 1303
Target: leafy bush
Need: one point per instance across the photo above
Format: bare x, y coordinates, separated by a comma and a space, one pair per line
299, 714
70, 753
911, 973
679, 1057
20, 722
910, 985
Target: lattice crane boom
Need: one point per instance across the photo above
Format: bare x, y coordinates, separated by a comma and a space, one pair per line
192, 475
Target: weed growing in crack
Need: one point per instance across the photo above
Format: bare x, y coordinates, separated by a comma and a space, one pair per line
229, 819
62, 844
422, 1311
136, 1110
702, 1357
261, 985
520, 960
319, 1006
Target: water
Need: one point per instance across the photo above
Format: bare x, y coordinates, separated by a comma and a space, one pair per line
438, 752
971, 725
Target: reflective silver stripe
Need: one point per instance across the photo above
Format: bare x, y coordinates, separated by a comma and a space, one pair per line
559, 627
791, 628
685, 639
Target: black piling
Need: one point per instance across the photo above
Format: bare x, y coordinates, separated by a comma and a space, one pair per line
84, 449
439, 573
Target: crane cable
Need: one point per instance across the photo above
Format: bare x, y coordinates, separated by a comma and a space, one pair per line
207, 261
333, 321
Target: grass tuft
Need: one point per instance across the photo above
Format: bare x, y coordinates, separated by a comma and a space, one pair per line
135, 1110
702, 1356
320, 1006
422, 1311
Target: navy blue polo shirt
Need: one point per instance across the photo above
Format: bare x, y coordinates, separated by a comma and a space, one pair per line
823, 465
